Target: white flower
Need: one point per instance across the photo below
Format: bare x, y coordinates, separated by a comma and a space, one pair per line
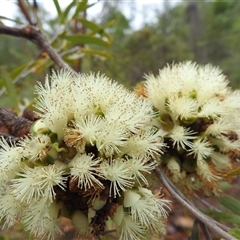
36, 182
140, 165
89, 126
41, 219
146, 141
73, 138
169, 82
204, 171
130, 112
54, 114
44, 89
200, 115
221, 161
94, 93
212, 108
10, 210
110, 139
34, 212
118, 173
131, 230
10, 160
82, 101
54, 101
182, 107
50, 223
185, 79
86, 169
218, 127
59, 83
231, 102
158, 203
182, 137
225, 144
210, 83
35, 147
201, 148
174, 168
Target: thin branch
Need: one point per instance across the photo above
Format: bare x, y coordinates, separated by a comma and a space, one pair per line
33, 34
25, 12
28, 68
225, 228
209, 222
205, 230
211, 207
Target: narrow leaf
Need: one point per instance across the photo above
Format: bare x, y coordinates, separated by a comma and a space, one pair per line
225, 217
76, 55
96, 28
97, 52
9, 19
64, 15
79, 38
10, 88
234, 172
90, 25
195, 233
57, 6
230, 203
81, 6
235, 232
16, 71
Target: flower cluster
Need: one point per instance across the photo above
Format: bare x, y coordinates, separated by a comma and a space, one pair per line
200, 115
86, 158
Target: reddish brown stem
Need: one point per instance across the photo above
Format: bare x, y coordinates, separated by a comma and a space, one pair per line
25, 12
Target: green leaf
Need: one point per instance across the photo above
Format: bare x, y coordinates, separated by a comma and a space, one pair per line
95, 28
96, 52
235, 232
57, 6
79, 38
195, 233
234, 172
16, 71
64, 15
81, 6
225, 217
230, 203
75, 56
9, 19
90, 25
7, 81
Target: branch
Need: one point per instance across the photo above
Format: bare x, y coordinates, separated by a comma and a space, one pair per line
209, 222
205, 230
33, 34
25, 12
211, 207
17, 126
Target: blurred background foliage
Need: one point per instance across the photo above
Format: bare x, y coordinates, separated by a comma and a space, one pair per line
205, 32
201, 31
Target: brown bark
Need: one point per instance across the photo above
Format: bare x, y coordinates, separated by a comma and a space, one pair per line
16, 126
